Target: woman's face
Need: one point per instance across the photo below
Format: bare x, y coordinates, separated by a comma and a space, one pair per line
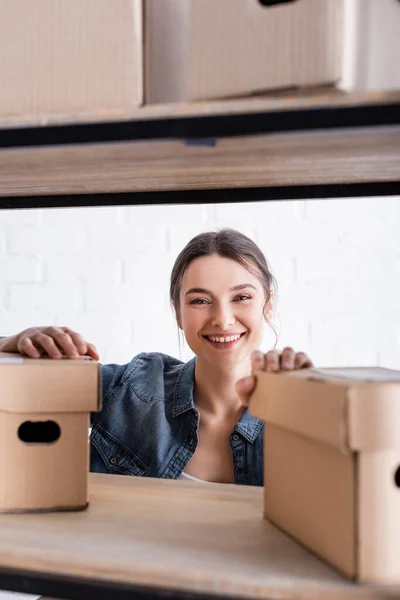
221, 310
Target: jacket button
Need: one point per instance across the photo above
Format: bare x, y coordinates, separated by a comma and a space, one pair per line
235, 437
113, 460
240, 464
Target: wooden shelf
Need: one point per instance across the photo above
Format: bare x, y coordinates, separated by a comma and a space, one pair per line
325, 143
143, 534
291, 101
345, 156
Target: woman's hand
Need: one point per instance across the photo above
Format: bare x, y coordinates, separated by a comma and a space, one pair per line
271, 362
54, 342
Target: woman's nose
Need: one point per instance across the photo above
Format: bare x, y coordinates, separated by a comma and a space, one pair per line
223, 318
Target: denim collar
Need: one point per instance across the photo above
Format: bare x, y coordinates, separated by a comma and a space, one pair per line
248, 426
183, 393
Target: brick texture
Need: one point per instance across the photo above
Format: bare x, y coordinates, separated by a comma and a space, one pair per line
104, 271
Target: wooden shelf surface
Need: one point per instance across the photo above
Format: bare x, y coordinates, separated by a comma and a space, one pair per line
344, 156
173, 535
287, 101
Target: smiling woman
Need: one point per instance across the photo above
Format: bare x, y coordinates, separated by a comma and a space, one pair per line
165, 418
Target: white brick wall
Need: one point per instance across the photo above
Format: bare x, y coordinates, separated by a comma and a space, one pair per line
105, 272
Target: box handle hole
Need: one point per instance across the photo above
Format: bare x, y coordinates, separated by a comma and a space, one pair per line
274, 2
397, 477
39, 432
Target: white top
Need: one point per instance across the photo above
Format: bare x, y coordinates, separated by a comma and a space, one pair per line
187, 476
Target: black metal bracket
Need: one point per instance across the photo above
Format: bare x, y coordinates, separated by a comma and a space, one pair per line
68, 588
211, 196
274, 2
204, 127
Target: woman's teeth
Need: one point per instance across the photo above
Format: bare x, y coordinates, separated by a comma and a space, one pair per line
224, 340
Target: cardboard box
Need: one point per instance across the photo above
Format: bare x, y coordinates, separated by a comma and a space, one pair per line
371, 45
45, 409
196, 50
70, 57
332, 464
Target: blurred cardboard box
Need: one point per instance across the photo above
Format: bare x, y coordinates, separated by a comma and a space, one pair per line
70, 57
197, 50
67, 60
332, 464
45, 408
371, 46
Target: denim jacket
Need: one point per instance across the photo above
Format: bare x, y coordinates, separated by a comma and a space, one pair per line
148, 425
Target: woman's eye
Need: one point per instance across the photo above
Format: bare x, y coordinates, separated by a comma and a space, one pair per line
241, 297
199, 301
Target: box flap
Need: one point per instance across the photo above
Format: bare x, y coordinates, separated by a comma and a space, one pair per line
373, 405
351, 408
46, 385
296, 402
374, 416
355, 375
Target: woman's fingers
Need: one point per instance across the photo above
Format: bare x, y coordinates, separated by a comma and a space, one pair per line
257, 361
264, 362
26, 347
77, 340
91, 351
244, 388
287, 359
48, 344
272, 361
62, 340
83, 348
302, 361
54, 342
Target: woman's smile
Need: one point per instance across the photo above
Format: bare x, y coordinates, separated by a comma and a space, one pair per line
224, 341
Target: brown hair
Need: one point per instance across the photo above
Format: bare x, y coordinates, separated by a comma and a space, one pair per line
228, 243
